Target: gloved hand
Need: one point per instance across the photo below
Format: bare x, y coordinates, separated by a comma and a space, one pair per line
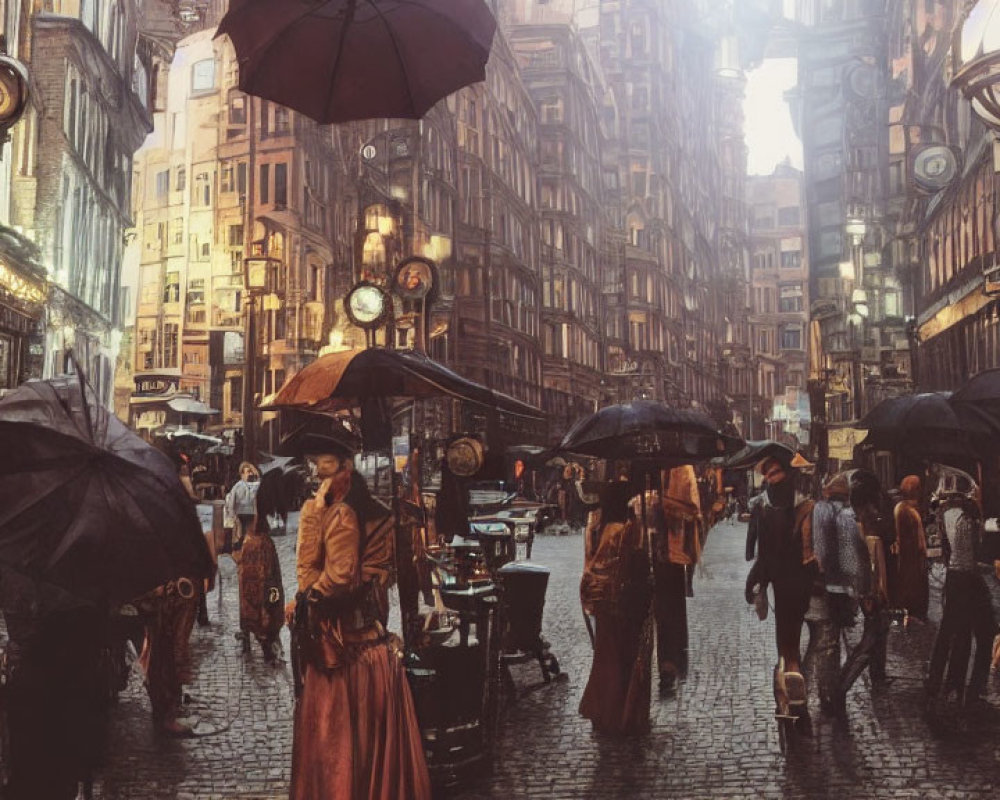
750, 592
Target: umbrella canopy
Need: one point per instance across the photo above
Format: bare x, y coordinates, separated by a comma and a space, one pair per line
645, 430
982, 391
345, 380
926, 425
342, 60
755, 451
85, 504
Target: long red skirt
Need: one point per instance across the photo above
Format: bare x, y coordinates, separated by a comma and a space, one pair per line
356, 733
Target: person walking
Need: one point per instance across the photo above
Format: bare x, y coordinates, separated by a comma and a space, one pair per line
355, 732
910, 549
615, 591
876, 526
240, 502
967, 611
781, 527
262, 595
845, 578
676, 548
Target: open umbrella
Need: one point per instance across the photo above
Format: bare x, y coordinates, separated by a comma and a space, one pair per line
755, 451
346, 380
342, 60
926, 425
981, 392
85, 504
648, 431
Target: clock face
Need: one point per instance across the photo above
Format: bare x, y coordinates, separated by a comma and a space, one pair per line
11, 93
366, 305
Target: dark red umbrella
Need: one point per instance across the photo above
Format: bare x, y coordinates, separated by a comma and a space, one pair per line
342, 60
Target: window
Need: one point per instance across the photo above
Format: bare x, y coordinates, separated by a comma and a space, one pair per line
791, 338
172, 288
170, 331
241, 180
788, 216
235, 235
177, 228
790, 299
203, 75
791, 259
162, 183
281, 185
196, 291
282, 120
238, 109
180, 182
206, 250
265, 182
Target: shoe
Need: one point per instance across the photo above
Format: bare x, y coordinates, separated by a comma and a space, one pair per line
668, 684
171, 727
795, 688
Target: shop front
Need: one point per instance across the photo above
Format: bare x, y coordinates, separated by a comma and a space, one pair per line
22, 304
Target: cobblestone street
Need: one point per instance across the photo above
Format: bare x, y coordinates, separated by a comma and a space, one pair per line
717, 738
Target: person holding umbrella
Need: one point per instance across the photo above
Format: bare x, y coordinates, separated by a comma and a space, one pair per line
355, 731
615, 590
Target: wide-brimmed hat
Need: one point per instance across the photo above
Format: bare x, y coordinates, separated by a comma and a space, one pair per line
308, 440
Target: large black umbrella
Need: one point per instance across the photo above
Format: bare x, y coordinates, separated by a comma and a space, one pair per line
648, 431
927, 425
85, 504
981, 392
342, 60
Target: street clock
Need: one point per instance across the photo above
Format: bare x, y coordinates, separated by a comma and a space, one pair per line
367, 305
13, 90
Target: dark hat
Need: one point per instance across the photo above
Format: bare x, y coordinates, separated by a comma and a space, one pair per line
308, 441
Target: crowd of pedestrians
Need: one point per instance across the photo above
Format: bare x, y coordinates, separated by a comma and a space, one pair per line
853, 553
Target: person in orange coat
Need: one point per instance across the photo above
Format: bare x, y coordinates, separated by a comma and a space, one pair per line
910, 548
355, 734
615, 591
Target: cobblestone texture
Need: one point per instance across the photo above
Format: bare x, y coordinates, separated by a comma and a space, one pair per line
716, 739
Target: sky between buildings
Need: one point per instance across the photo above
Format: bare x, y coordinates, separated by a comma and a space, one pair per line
770, 136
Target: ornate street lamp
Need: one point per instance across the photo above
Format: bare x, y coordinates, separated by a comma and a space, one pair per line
978, 75
257, 269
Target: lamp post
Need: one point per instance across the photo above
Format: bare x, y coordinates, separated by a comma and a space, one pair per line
256, 268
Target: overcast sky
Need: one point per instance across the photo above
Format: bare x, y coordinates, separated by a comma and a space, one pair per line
770, 136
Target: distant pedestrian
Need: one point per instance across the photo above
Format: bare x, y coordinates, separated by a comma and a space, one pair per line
910, 549
262, 596
615, 590
241, 502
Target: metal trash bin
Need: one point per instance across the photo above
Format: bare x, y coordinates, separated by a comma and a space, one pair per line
523, 586
497, 542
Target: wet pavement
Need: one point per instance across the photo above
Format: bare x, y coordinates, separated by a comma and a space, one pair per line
716, 739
